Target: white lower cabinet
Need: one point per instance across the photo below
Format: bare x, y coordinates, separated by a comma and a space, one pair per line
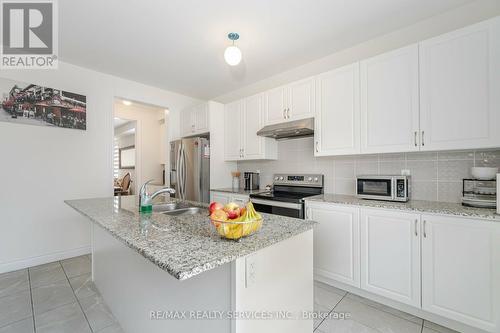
220, 197
446, 265
460, 270
390, 255
226, 197
241, 200
336, 242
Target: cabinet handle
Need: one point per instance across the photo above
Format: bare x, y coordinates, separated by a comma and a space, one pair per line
415, 139
416, 232
317, 146
425, 232
423, 143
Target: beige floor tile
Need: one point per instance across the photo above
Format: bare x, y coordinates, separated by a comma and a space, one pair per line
52, 296
76, 266
375, 318
387, 309
22, 326
14, 308
64, 319
97, 312
46, 275
83, 286
14, 282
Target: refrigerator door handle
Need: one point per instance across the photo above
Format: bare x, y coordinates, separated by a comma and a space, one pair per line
184, 173
178, 172
181, 173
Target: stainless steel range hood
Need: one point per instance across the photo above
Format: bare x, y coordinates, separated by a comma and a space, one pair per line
289, 130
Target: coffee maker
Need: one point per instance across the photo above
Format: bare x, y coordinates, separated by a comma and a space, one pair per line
251, 180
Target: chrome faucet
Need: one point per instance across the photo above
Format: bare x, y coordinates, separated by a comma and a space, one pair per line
145, 199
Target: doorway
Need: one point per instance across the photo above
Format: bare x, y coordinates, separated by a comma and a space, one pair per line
140, 134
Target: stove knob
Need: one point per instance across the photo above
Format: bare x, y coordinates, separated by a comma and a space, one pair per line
281, 178
276, 178
309, 179
316, 179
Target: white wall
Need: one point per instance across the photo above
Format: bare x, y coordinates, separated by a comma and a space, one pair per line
40, 167
470, 13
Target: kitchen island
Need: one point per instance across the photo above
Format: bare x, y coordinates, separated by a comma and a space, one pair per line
164, 273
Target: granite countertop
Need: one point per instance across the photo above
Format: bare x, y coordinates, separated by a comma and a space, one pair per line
433, 207
238, 191
184, 246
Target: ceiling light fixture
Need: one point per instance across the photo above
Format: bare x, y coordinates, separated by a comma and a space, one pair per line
232, 55
127, 103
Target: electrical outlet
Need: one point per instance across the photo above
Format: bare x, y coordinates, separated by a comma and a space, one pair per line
405, 172
250, 268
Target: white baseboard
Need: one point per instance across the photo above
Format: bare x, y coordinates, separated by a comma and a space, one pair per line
43, 259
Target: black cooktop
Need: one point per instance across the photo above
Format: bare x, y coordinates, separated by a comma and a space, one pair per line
283, 196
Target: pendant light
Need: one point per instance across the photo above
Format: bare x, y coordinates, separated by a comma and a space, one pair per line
232, 55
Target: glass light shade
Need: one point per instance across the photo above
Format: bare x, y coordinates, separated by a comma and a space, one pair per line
232, 55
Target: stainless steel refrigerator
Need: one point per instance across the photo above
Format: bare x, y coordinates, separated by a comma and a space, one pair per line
190, 169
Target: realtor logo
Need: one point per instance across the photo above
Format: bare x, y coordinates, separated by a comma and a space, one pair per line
29, 35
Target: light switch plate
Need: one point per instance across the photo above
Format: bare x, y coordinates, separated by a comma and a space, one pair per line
250, 268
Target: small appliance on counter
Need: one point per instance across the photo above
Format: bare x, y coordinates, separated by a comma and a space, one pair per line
252, 180
388, 188
235, 180
479, 193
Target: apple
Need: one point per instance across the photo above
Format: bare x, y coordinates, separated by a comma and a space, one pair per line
233, 210
231, 206
218, 215
214, 206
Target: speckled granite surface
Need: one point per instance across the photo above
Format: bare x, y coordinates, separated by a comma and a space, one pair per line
239, 191
184, 246
432, 207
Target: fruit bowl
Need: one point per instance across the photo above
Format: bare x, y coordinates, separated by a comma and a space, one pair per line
234, 222
236, 230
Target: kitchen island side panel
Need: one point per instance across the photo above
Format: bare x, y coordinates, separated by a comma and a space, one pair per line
133, 287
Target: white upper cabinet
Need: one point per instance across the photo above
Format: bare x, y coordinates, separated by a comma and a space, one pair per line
275, 106
242, 120
460, 271
233, 116
390, 102
252, 122
390, 255
336, 242
337, 112
194, 120
460, 88
201, 118
301, 101
291, 102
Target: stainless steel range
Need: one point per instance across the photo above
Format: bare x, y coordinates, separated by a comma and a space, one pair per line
287, 196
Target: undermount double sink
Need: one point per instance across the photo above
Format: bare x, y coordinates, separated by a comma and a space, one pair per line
176, 208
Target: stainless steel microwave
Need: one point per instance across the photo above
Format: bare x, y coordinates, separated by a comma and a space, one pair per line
390, 188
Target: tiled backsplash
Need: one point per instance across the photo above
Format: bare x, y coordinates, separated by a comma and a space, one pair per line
436, 176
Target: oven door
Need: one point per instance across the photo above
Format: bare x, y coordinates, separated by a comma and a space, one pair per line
375, 188
290, 209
